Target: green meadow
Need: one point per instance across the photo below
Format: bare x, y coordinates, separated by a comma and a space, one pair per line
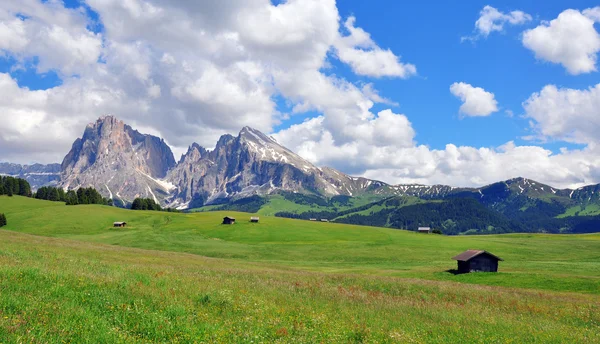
67, 275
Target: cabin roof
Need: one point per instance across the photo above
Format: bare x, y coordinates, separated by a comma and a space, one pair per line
119, 223
470, 254
254, 218
229, 217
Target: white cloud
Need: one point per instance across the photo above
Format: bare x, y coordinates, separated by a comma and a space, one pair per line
566, 114
491, 20
41, 125
570, 40
365, 57
452, 165
469, 166
193, 70
476, 100
56, 35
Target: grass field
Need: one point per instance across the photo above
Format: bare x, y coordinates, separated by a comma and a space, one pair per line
278, 203
66, 274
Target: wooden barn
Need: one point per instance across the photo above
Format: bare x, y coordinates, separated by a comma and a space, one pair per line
119, 224
424, 230
228, 220
254, 219
477, 261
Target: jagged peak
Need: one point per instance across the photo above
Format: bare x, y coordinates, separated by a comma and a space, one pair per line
255, 135
224, 140
103, 120
193, 148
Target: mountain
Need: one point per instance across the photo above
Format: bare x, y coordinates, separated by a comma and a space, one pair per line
119, 162
249, 164
37, 175
252, 171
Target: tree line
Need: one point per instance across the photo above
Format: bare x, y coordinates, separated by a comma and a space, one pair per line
149, 204
14, 186
71, 197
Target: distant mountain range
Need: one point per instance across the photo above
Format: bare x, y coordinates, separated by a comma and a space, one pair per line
124, 164
38, 175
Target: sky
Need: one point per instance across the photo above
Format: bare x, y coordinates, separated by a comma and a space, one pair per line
432, 92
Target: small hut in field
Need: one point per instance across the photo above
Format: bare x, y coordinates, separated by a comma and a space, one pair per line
254, 219
477, 261
119, 224
425, 230
227, 220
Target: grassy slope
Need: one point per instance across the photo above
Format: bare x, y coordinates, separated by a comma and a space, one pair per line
588, 210
56, 290
553, 262
281, 280
278, 203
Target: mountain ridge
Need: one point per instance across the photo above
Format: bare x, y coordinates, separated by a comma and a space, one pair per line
122, 164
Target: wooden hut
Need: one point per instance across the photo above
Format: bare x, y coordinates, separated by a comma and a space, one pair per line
324, 220
119, 224
477, 261
254, 219
424, 230
228, 220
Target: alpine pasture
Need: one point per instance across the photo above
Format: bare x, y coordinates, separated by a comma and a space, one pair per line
67, 275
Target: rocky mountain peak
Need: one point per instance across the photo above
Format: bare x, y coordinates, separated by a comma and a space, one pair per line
256, 136
194, 152
118, 161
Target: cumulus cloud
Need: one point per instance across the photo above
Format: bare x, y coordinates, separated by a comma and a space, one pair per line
476, 100
193, 70
570, 40
452, 165
365, 57
566, 114
491, 20
57, 36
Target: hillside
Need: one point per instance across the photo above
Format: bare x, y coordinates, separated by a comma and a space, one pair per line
280, 280
252, 172
309, 245
494, 209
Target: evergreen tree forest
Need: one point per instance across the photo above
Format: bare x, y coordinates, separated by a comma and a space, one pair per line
81, 196
149, 204
14, 186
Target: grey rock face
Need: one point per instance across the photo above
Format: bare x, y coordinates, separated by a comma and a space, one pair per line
37, 175
119, 162
255, 164
251, 163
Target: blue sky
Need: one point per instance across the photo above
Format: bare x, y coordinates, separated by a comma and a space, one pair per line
428, 34
192, 71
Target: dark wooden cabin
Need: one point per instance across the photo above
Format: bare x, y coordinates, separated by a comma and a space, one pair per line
254, 219
119, 224
477, 261
425, 230
228, 220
